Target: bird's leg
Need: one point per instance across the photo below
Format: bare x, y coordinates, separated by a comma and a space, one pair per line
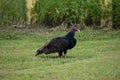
65, 53
60, 54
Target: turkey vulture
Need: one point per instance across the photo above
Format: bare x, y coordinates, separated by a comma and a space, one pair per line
60, 44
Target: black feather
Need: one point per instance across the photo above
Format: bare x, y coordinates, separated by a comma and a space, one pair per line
59, 44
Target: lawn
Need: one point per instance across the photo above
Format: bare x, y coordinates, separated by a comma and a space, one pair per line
95, 57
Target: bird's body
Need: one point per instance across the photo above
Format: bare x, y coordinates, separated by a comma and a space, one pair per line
59, 44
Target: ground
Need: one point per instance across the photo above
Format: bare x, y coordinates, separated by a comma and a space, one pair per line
95, 57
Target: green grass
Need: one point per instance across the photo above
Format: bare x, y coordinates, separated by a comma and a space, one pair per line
95, 57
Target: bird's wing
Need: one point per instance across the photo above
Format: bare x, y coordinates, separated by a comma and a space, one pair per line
56, 45
72, 43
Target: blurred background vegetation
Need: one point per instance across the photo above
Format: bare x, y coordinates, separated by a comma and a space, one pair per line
12, 12
95, 14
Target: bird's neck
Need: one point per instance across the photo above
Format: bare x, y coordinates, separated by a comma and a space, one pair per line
70, 34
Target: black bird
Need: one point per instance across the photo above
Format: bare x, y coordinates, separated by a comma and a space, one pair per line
60, 44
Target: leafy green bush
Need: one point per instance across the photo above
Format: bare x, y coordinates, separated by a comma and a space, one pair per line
12, 12
57, 12
116, 14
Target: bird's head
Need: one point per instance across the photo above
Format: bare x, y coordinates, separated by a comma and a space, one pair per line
75, 28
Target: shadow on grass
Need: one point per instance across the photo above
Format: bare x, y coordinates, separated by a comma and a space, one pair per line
55, 57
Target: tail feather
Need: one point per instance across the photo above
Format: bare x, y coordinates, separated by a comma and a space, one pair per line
39, 51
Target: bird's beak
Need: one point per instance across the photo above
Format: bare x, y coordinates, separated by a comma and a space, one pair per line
78, 30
